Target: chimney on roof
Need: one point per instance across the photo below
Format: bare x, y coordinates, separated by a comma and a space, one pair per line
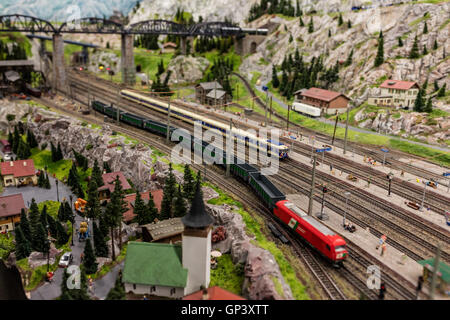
11, 164
24, 163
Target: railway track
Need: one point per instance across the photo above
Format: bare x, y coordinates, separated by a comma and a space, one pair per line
363, 211
362, 150
333, 293
437, 202
249, 200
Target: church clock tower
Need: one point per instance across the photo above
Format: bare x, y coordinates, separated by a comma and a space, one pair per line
196, 244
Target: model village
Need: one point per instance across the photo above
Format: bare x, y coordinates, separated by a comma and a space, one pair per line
95, 204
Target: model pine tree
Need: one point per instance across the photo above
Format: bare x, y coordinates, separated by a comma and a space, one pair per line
436, 86
302, 24
414, 54
118, 291
93, 203
97, 174
140, 210
349, 24
62, 215
425, 50
41, 179
340, 20
429, 106
43, 217
114, 211
311, 26
16, 140
435, 45
400, 42
89, 261
151, 208
25, 225
47, 182
441, 92
349, 59
23, 246
380, 53
169, 194
425, 28
31, 139
100, 246
54, 152
61, 234
418, 104
106, 167
180, 205
40, 239
52, 226
275, 80
329, 33
189, 183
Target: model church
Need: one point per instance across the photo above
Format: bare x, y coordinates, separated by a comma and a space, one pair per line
173, 270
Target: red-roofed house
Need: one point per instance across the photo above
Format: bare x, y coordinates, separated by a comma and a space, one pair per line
104, 192
213, 293
131, 198
328, 101
18, 173
10, 208
396, 93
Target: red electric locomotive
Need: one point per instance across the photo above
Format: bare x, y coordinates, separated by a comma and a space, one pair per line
327, 242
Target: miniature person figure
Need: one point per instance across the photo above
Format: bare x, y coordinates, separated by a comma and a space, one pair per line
145, 297
402, 174
331, 167
368, 182
419, 286
383, 249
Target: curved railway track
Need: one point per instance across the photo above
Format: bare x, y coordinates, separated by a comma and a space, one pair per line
331, 292
437, 202
249, 200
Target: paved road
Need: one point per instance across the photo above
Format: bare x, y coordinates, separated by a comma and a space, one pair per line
50, 291
100, 288
341, 125
40, 194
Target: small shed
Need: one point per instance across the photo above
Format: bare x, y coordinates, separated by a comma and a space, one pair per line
217, 98
166, 231
443, 275
202, 89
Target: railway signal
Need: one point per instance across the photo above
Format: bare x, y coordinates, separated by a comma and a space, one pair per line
347, 194
390, 176
321, 215
382, 291
384, 155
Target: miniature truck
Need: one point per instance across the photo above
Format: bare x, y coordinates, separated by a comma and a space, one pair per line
80, 206
83, 231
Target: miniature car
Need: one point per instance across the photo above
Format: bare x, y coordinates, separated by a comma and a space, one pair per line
65, 260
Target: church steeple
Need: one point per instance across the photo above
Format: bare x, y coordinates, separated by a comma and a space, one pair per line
196, 242
197, 216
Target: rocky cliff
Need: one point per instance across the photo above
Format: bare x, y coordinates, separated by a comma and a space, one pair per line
405, 21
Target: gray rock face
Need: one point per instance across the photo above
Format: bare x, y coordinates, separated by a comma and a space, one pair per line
186, 69
263, 279
37, 259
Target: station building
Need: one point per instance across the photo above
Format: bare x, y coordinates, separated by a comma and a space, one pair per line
396, 93
328, 101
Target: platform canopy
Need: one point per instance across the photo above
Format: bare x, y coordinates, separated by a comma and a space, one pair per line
443, 270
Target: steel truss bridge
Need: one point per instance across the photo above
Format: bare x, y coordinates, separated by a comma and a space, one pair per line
24, 23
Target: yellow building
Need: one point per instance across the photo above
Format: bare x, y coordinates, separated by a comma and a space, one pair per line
18, 173
396, 93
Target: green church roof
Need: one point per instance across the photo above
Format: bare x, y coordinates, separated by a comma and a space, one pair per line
444, 268
158, 264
